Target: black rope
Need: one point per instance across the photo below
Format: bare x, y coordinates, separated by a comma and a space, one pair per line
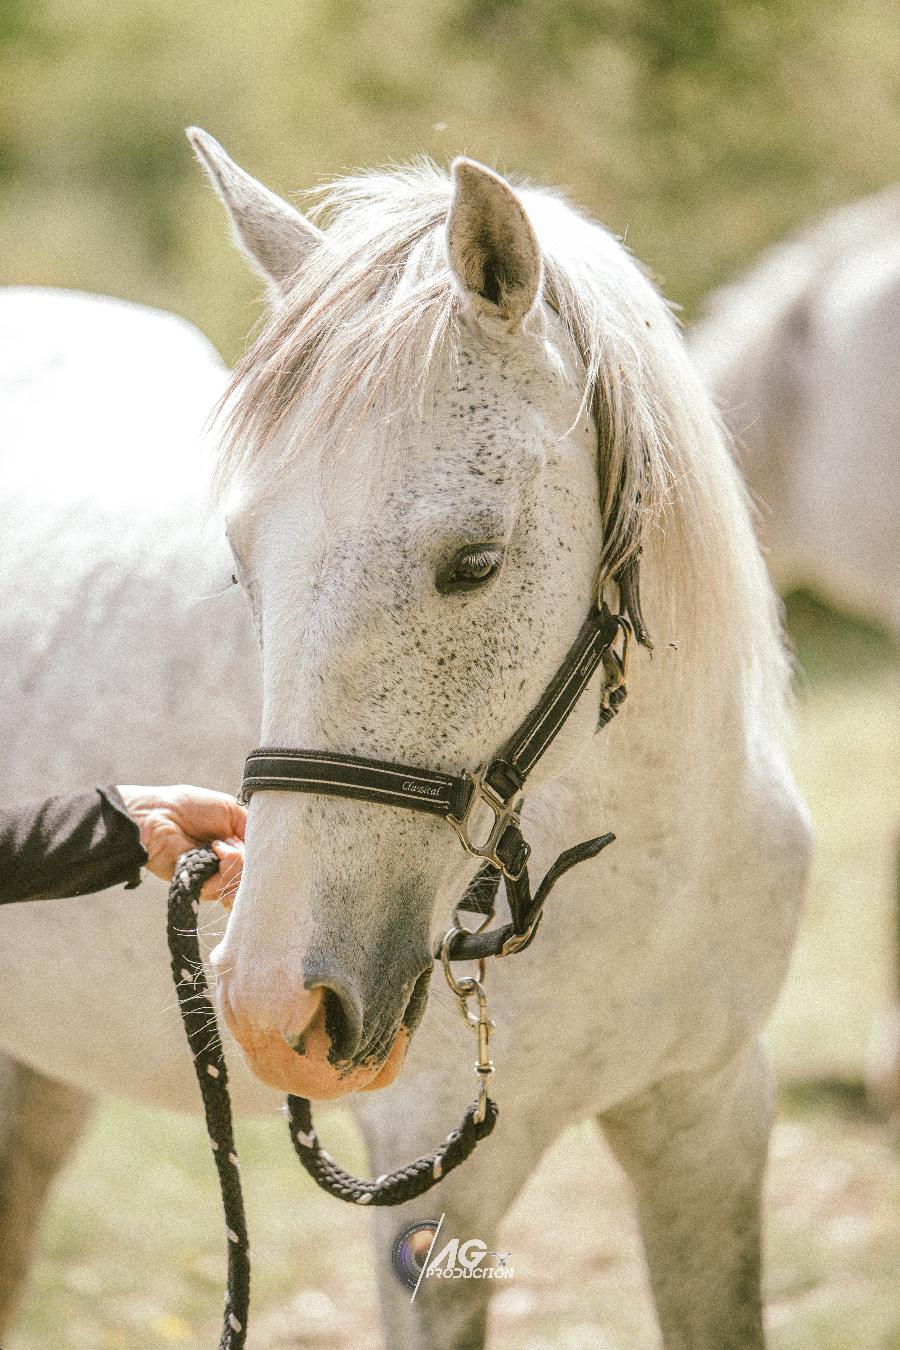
395, 1188
202, 1031
199, 1018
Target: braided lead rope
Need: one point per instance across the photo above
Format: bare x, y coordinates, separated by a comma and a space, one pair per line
202, 1032
394, 1188
197, 1012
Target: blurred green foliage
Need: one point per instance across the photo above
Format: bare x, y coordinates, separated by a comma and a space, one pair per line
701, 129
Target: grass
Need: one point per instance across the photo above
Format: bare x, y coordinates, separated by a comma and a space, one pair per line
847, 760
132, 1256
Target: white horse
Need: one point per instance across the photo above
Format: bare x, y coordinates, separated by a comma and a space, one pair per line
468, 408
803, 358
802, 353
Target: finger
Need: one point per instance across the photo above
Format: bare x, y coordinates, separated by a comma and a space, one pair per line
229, 815
206, 815
238, 820
223, 884
230, 852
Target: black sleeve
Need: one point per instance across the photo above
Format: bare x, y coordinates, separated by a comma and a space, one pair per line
68, 846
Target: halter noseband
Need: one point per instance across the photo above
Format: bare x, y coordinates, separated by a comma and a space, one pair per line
460, 798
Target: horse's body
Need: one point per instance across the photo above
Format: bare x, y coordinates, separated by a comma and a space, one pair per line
801, 354
113, 661
643, 998
124, 647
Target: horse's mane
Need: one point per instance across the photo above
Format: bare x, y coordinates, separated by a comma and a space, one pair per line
375, 307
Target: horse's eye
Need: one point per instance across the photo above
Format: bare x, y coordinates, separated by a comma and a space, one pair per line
472, 567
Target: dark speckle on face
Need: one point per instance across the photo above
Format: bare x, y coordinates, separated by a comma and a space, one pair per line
418, 667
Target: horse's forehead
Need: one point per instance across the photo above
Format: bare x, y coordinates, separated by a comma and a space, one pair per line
489, 380
463, 461
499, 409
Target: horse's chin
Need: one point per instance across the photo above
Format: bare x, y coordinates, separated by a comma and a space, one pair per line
273, 1061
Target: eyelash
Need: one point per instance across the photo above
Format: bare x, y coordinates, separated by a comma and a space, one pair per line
484, 559
464, 574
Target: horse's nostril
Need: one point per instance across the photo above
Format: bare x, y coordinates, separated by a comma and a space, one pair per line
340, 1030
341, 1015
343, 1039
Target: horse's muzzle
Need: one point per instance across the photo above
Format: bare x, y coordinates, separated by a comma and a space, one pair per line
319, 1054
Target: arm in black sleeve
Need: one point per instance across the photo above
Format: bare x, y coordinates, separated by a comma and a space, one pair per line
68, 846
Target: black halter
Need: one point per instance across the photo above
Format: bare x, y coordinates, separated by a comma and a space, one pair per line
460, 799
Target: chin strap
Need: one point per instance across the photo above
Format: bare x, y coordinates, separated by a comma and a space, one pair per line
526, 910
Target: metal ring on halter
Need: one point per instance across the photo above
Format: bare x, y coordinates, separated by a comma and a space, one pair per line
464, 988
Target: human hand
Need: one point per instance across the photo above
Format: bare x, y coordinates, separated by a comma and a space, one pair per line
173, 819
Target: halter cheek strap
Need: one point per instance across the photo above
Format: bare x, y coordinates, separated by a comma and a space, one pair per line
466, 801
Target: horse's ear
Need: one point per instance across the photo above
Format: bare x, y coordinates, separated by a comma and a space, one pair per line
272, 234
492, 247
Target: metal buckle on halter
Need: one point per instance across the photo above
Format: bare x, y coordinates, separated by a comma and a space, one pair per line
627, 634
615, 668
504, 815
518, 941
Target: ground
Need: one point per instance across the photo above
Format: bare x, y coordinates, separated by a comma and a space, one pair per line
132, 1254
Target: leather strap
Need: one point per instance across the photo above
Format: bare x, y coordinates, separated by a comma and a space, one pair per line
526, 911
529, 742
371, 780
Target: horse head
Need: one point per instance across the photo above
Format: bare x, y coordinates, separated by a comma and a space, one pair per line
411, 484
